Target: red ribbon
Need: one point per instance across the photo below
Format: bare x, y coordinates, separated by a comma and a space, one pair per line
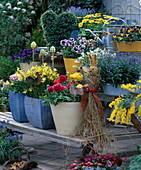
84, 98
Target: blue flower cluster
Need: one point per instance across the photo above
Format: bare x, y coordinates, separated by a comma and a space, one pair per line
80, 12
26, 55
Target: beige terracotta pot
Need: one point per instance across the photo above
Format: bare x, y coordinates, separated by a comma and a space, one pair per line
129, 47
67, 117
26, 66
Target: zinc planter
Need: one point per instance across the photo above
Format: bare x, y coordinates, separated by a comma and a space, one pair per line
39, 115
70, 65
16, 101
67, 117
129, 47
26, 66
114, 91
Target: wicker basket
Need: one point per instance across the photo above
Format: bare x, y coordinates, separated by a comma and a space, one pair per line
25, 164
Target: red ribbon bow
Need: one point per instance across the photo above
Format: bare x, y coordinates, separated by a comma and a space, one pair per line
84, 97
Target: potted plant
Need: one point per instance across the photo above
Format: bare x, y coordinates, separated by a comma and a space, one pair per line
25, 58
4, 99
97, 161
8, 141
116, 70
72, 49
36, 79
65, 106
128, 39
125, 106
16, 98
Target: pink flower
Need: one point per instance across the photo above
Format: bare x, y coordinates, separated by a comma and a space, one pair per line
4, 85
63, 87
62, 78
13, 77
57, 87
109, 164
56, 81
50, 89
68, 86
118, 161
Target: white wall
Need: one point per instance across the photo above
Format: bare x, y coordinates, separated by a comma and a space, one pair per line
125, 9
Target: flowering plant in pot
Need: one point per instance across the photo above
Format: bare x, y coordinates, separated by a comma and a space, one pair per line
128, 39
25, 56
15, 87
8, 141
36, 80
97, 161
117, 70
125, 106
65, 104
72, 49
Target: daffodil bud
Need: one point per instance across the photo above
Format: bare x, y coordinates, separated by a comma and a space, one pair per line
33, 45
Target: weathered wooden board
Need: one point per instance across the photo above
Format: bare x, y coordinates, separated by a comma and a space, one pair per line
120, 133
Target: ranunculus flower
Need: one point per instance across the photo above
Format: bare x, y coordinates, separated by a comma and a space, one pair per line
50, 89
57, 87
68, 86
56, 81
63, 87
62, 78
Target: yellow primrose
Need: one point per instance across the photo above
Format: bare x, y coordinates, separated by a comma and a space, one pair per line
30, 89
79, 86
7, 82
25, 91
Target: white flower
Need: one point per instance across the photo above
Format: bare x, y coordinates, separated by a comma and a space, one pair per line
19, 3
31, 7
18, 9
9, 7
23, 10
8, 4
11, 17
4, 11
1, 6
15, 8
33, 12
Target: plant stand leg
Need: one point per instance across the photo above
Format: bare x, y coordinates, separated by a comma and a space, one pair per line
136, 122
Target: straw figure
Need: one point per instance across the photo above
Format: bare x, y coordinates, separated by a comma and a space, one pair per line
92, 126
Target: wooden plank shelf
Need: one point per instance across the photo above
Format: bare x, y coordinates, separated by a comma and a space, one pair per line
51, 135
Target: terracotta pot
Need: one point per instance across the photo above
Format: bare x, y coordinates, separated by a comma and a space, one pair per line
129, 47
67, 116
26, 66
70, 65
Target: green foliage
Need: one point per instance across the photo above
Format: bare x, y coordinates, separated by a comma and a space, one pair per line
8, 141
7, 67
135, 164
139, 148
37, 36
57, 27
61, 5
14, 30
4, 98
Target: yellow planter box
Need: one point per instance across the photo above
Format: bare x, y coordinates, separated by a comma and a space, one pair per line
70, 65
129, 47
